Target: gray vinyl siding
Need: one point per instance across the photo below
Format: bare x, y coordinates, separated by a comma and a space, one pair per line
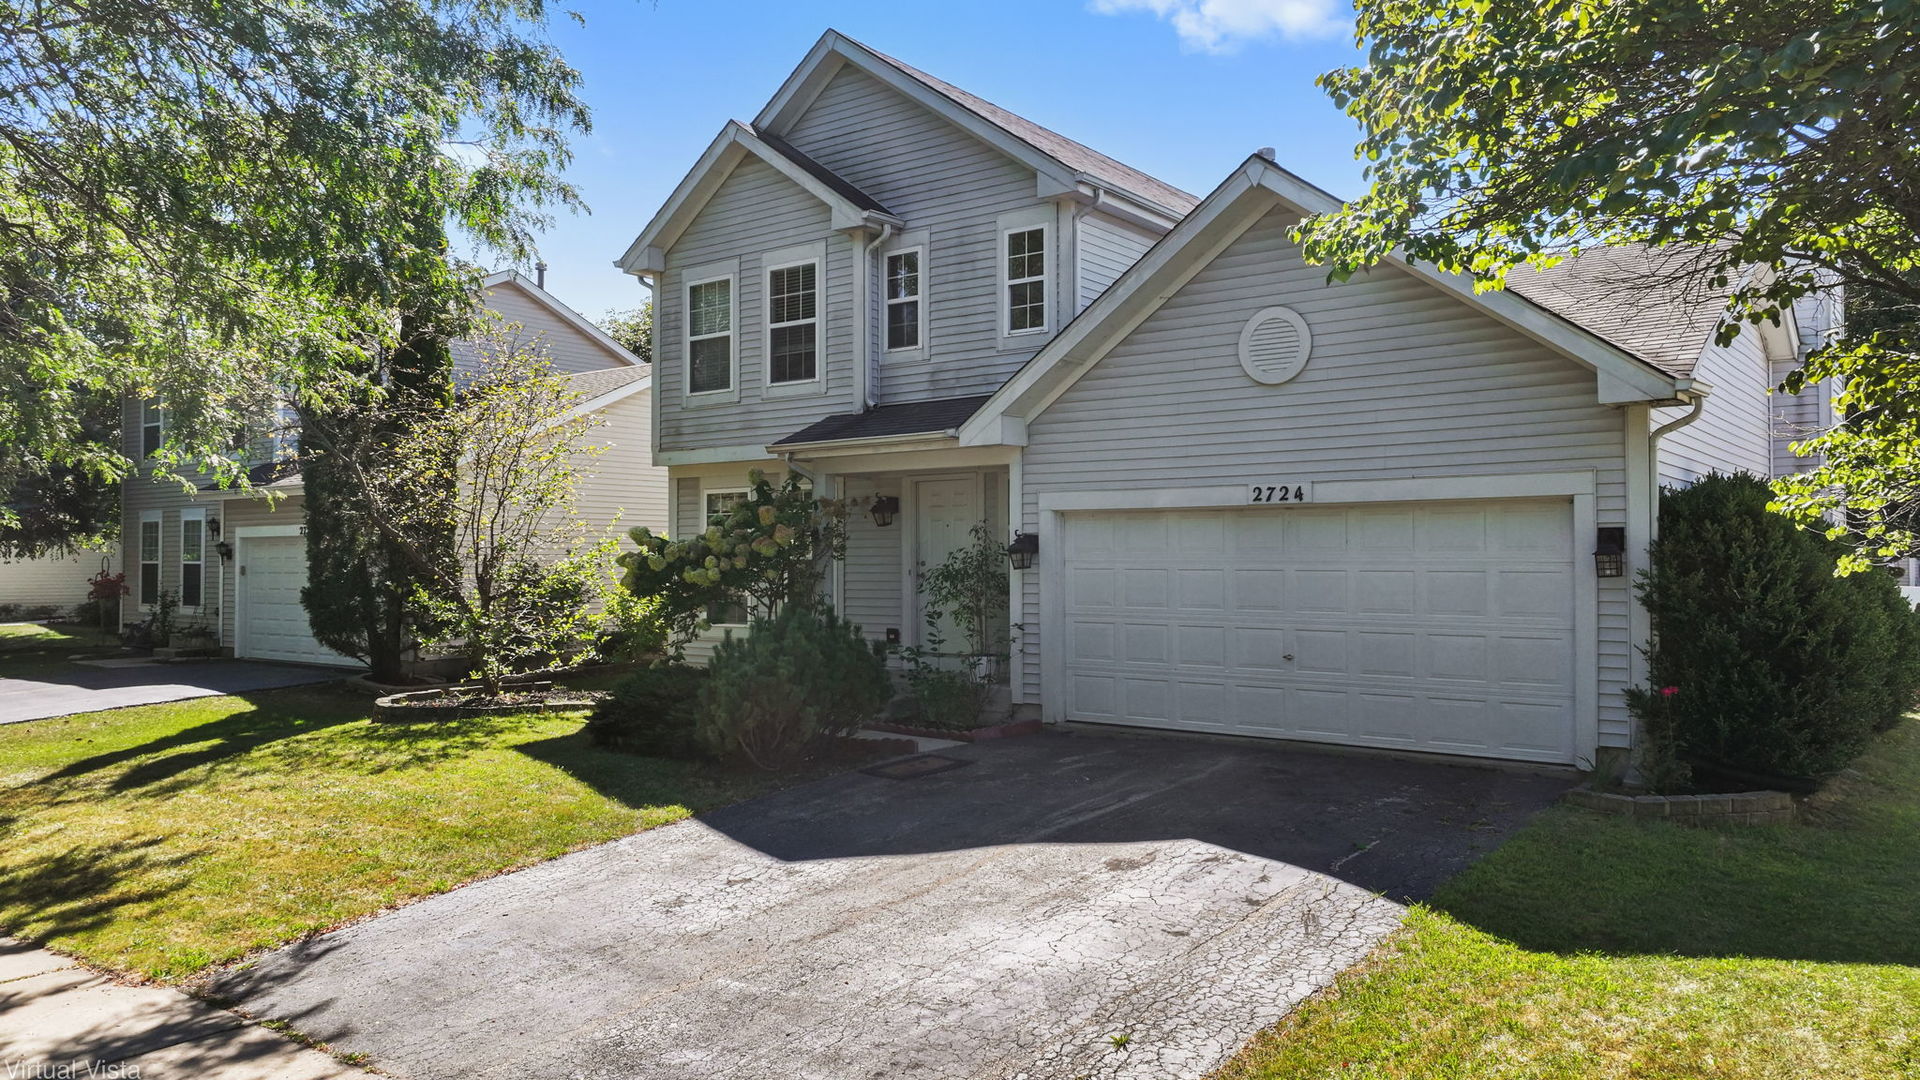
872, 588
54, 581
567, 348
1107, 249
1404, 382
620, 489
1732, 432
937, 178
755, 211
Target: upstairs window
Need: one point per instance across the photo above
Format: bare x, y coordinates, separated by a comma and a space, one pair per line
1026, 280
793, 323
903, 299
193, 533
149, 558
152, 426
710, 336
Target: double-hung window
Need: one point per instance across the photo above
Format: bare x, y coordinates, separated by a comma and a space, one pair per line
903, 299
152, 426
149, 557
193, 558
720, 505
1026, 279
710, 336
793, 322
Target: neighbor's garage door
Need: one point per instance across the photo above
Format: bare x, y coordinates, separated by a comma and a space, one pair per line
273, 625
1445, 627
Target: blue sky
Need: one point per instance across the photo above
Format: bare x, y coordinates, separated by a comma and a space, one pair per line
1183, 89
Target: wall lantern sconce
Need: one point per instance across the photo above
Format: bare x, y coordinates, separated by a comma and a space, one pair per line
1021, 552
1610, 552
225, 549
883, 509
213, 528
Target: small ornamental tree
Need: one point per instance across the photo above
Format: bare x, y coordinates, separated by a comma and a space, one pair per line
1763, 660
771, 550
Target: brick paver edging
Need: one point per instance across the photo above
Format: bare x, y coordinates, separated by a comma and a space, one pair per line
1735, 808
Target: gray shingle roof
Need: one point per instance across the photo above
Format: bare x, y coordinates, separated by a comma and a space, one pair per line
1080, 158
907, 418
1657, 303
823, 174
592, 384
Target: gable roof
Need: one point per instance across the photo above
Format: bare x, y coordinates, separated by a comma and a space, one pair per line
882, 421
1062, 163
516, 280
1248, 194
851, 207
1658, 303
595, 387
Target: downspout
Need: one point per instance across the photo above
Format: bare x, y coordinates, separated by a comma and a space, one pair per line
865, 337
1653, 455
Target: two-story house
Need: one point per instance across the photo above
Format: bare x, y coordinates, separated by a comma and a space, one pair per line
1389, 512
235, 558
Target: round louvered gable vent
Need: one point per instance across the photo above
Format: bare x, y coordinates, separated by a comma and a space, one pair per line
1275, 344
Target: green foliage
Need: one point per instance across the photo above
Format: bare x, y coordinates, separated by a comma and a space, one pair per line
1778, 140
48, 506
970, 587
950, 698
633, 329
205, 202
366, 607
1775, 664
793, 678
654, 711
628, 627
769, 552
161, 628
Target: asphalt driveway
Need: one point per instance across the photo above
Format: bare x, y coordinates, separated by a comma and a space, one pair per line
1065, 905
78, 687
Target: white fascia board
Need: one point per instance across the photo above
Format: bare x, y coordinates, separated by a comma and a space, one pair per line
647, 253
712, 455
618, 393
834, 49
916, 440
566, 314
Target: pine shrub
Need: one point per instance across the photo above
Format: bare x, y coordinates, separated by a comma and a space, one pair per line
801, 675
1763, 660
654, 711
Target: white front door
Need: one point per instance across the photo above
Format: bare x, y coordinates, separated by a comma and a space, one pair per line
945, 510
272, 623
1444, 627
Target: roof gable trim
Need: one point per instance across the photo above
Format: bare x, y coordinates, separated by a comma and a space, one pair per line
566, 314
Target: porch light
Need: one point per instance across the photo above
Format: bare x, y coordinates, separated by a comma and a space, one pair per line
1021, 552
1610, 552
225, 550
213, 527
883, 509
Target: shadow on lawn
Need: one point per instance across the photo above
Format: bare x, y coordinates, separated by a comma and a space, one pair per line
80, 888
1841, 887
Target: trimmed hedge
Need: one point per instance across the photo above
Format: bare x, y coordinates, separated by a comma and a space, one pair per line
654, 711
801, 675
1763, 661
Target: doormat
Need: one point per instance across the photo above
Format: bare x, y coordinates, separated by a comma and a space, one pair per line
915, 767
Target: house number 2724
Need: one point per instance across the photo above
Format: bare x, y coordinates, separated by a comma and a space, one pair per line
1277, 493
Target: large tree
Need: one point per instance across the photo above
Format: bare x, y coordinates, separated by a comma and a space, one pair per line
204, 203
633, 328
1781, 137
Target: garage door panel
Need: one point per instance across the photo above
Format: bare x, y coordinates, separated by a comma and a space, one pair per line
1443, 627
272, 623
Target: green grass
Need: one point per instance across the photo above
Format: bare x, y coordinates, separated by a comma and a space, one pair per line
1598, 947
164, 839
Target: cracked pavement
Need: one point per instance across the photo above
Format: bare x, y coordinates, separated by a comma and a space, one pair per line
1067, 905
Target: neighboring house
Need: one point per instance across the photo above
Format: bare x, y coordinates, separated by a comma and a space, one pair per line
1265, 504
57, 582
236, 558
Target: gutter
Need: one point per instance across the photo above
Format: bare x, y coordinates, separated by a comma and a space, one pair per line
1698, 403
876, 441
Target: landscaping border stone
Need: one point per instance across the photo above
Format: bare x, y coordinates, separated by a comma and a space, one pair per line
1731, 808
416, 706
980, 734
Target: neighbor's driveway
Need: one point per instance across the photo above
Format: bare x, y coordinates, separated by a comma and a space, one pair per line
1006, 918
76, 687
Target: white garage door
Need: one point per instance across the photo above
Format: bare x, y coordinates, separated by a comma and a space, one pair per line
272, 624
1445, 627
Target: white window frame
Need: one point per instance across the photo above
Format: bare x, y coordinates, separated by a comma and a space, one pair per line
786, 262
157, 421
141, 562
706, 520
199, 515
1048, 260
887, 301
693, 278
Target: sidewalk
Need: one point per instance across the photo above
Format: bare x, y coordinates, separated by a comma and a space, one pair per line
56, 1015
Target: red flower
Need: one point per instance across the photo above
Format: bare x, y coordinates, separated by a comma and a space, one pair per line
1669, 691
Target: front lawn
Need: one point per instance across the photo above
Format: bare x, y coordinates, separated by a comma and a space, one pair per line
163, 839
1597, 947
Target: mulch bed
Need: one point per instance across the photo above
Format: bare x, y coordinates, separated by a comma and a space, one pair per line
453, 703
